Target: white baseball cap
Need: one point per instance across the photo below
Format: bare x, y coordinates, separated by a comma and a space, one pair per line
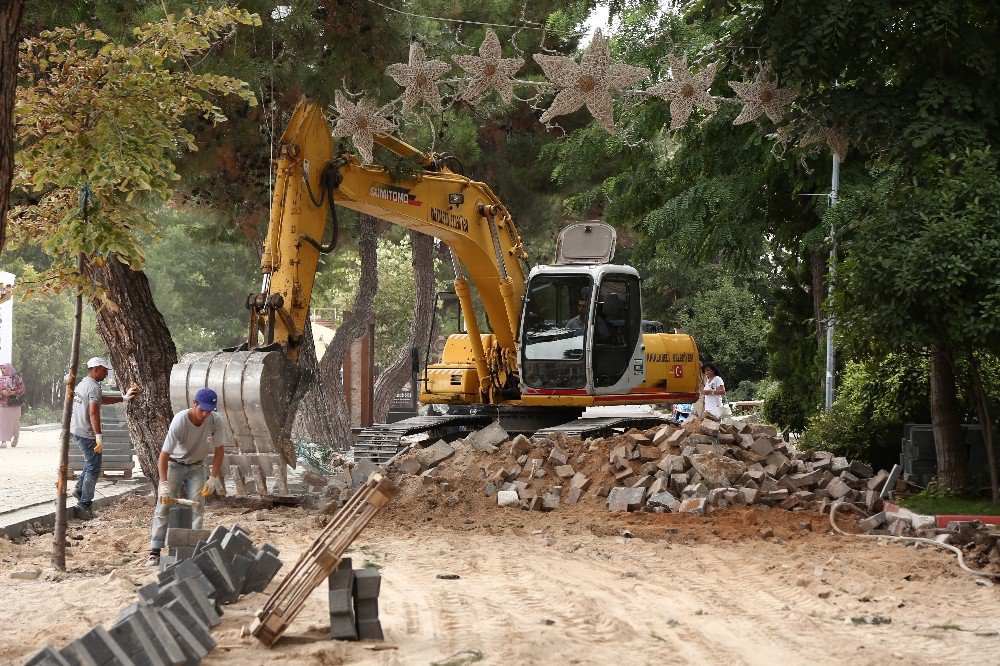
97, 362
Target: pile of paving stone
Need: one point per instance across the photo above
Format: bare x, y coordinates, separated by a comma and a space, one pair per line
699, 467
172, 620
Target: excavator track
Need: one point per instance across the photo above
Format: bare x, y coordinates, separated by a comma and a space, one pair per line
380, 442
601, 426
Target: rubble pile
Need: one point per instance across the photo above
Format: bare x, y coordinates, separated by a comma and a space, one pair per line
697, 468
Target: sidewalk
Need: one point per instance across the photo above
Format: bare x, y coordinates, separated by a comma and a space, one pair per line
28, 477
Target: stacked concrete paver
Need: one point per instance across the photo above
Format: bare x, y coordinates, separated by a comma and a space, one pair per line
354, 603
171, 622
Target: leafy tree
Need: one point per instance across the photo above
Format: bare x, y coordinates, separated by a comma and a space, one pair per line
729, 328
109, 115
937, 262
199, 281
10, 22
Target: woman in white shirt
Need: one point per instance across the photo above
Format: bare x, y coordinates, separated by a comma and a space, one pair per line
713, 390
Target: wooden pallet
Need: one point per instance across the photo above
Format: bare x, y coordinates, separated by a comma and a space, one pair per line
322, 558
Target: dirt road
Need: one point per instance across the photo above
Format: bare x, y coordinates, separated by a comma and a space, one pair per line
554, 588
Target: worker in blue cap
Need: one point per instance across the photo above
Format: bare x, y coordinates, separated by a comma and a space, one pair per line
192, 435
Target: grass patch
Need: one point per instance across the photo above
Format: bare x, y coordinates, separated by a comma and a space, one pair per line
936, 503
372, 565
460, 658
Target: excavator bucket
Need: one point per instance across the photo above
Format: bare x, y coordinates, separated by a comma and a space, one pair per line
254, 389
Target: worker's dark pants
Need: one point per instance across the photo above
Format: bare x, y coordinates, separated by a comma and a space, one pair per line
193, 478
87, 481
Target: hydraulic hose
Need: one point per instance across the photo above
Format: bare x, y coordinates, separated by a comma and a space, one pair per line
931, 542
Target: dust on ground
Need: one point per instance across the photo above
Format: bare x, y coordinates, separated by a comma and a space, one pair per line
561, 587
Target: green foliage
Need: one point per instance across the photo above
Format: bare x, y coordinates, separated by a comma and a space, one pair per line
109, 114
936, 259
874, 400
794, 359
199, 281
933, 501
42, 332
729, 328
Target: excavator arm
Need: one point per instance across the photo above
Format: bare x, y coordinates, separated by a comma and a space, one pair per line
464, 214
256, 381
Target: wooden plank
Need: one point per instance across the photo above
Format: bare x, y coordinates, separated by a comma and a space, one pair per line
320, 559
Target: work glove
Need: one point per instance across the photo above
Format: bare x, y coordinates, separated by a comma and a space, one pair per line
131, 393
213, 485
163, 494
99, 446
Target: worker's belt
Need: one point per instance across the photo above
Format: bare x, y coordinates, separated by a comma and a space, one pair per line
184, 464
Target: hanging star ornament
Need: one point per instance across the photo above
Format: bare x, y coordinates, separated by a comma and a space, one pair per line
835, 141
489, 70
686, 91
590, 82
419, 79
763, 96
361, 122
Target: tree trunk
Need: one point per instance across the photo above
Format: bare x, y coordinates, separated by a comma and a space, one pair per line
817, 263
314, 420
986, 420
948, 439
397, 374
10, 23
142, 352
349, 330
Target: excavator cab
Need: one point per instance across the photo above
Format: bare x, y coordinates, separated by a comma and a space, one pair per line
581, 331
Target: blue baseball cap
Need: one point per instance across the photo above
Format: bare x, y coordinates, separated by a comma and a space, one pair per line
206, 399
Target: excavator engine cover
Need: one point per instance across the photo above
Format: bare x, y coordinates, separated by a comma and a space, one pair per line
254, 393
586, 243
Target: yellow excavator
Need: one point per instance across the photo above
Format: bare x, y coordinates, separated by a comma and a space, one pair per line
560, 338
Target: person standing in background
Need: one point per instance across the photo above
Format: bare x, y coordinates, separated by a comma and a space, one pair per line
11, 399
85, 430
713, 390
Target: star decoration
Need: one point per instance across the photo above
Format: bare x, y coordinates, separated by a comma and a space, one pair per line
590, 83
489, 70
419, 79
762, 96
837, 142
361, 122
686, 91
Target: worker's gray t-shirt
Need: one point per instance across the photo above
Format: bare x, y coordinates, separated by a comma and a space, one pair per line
86, 392
188, 443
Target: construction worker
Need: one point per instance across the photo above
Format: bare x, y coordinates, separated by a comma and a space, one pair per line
182, 461
85, 430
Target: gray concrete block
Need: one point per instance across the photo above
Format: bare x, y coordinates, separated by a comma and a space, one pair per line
342, 627
269, 549
148, 592
340, 585
48, 656
170, 650
134, 638
239, 567
217, 535
95, 647
215, 570
265, 568
188, 634
626, 499
180, 516
237, 542
367, 583
370, 630
195, 593
366, 609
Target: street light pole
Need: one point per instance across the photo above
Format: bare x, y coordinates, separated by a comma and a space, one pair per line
830, 350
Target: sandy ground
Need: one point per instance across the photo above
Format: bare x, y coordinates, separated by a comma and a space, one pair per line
564, 587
